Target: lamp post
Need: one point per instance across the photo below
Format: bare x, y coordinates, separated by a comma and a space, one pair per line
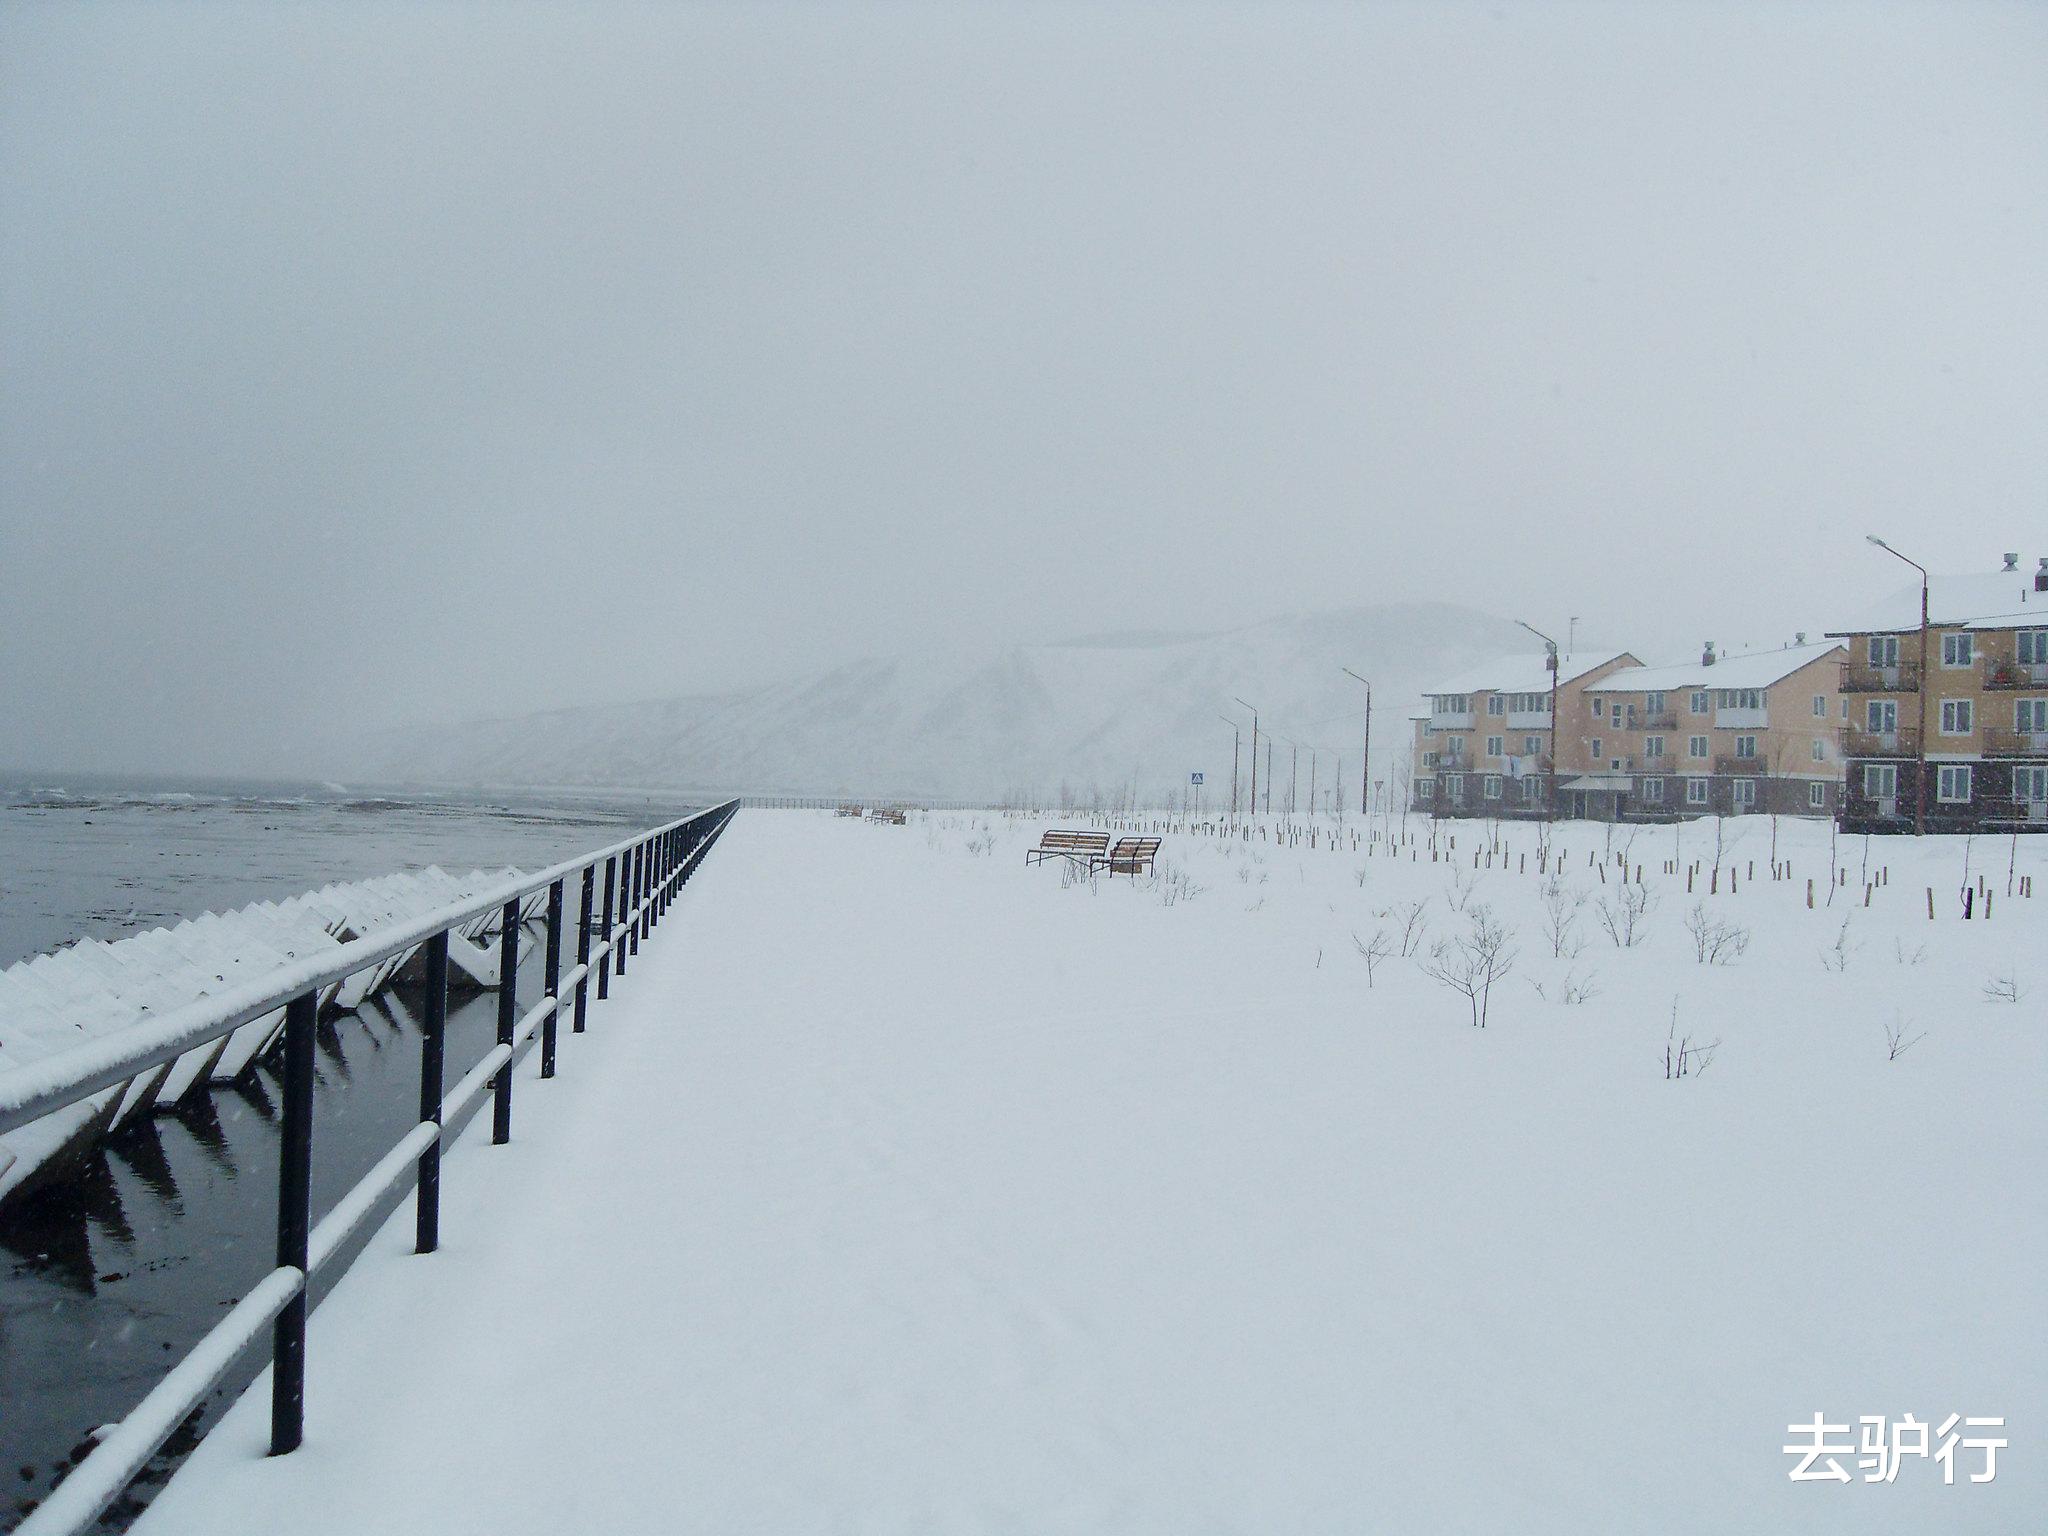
1550, 660
1920, 743
1365, 763
1236, 737
1255, 756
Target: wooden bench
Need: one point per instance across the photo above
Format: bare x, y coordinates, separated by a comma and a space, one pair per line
1131, 856
892, 815
1084, 848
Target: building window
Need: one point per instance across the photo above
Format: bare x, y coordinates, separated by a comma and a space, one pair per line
1696, 746
1429, 759
2033, 647
1881, 780
1820, 706
1739, 698
1494, 748
1699, 701
1956, 650
1952, 786
1599, 708
1653, 746
1455, 745
2031, 716
1820, 750
1817, 797
1695, 791
1653, 703
1596, 746
1454, 786
1745, 746
1531, 745
1958, 716
1882, 715
1653, 791
1424, 788
1532, 789
2030, 783
1493, 786
1884, 650
1496, 704
1845, 709
1743, 792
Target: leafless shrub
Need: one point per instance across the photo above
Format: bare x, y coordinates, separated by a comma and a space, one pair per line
1622, 914
1561, 908
1360, 873
1413, 925
1073, 872
1836, 956
1572, 988
1172, 884
1373, 950
2004, 989
1905, 956
1897, 1042
1464, 883
1683, 1056
982, 843
1715, 941
1471, 964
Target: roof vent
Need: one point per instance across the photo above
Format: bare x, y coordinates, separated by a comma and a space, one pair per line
1707, 655
2012, 562
1800, 638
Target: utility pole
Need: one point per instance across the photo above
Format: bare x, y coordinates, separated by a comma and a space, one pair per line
1255, 759
1311, 781
1926, 678
1365, 762
1269, 775
1550, 660
1293, 772
1236, 736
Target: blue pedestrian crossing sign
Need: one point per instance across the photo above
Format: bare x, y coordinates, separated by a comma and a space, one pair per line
1194, 778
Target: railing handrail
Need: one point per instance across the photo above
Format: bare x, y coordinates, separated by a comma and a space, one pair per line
39, 1088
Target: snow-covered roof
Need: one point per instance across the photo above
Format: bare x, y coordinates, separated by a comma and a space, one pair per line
1985, 600
1527, 672
1752, 669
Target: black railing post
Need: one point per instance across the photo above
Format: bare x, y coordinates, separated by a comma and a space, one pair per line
433, 1037
552, 979
508, 1018
625, 910
604, 964
294, 1225
583, 945
639, 893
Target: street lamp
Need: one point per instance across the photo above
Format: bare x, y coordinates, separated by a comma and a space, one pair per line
1920, 745
1236, 738
1550, 659
1255, 755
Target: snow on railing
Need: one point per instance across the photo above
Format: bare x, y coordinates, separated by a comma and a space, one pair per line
641, 875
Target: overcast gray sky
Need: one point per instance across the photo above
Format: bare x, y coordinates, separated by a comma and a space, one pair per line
354, 359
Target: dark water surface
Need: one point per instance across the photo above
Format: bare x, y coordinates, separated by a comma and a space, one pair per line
107, 1280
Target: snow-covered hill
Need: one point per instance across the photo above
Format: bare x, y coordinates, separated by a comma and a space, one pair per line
1097, 714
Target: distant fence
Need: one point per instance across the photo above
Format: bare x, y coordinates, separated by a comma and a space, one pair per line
640, 876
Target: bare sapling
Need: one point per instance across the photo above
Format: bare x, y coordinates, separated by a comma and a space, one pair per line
1464, 883
2004, 989
1562, 905
1684, 1056
1373, 950
1836, 956
1623, 914
1572, 988
1715, 941
1896, 1041
1413, 925
1471, 963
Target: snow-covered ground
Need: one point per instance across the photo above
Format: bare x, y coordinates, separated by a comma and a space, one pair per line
910, 1189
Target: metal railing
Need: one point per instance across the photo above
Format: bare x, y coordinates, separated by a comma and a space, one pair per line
640, 875
1861, 677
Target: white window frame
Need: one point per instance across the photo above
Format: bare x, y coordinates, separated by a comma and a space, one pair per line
1697, 791
2030, 783
1653, 791
2031, 647
1745, 747
1881, 716
1881, 781
1596, 747
1952, 783
1958, 650
1742, 794
1496, 704
1653, 746
1496, 747
1698, 701
2030, 716
1817, 795
1883, 650
1492, 786
1698, 748
1820, 706
1958, 717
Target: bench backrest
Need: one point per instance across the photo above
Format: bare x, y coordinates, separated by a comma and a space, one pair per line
1075, 842
1136, 848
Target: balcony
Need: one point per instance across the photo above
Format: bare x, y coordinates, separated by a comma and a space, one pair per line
1725, 764
1664, 722
1856, 743
1528, 719
1741, 719
1999, 743
1453, 762
1451, 722
2013, 674
1858, 677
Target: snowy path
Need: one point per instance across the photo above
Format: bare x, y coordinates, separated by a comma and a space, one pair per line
903, 1190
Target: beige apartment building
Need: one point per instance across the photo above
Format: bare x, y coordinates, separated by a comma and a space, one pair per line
1959, 716
1485, 747
1724, 735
